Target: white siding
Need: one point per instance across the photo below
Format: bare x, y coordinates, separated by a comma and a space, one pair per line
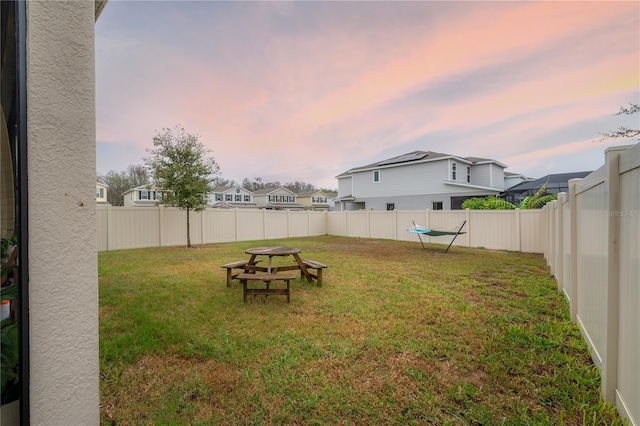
411, 179
481, 175
497, 176
345, 186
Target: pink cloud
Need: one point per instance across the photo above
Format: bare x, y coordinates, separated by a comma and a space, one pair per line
340, 85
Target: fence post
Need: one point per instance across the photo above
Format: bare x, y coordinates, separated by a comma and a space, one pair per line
264, 224
346, 223
109, 227
518, 231
288, 223
560, 232
235, 216
428, 223
610, 370
202, 212
368, 223
395, 225
554, 233
573, 249
549, 230
468, 219
160, 224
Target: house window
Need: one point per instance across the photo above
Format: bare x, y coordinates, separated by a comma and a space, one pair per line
391, 206
376, 175
453, 171
218, 197
437, 205
228, 197
99, 192
238, 197
468, 174
144, 195
247, 198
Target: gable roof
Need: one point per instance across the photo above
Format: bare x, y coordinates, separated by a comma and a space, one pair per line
266, 191
223, 188
420, 157
511, 174
310, 193
147, 187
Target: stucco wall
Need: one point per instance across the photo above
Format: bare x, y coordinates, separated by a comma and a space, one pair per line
63, 290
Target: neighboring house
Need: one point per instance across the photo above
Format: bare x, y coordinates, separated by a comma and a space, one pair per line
511, 179
101, 192
142, 196
313, 200
419, 180
556, 183
331, 199
230, 197
276, 199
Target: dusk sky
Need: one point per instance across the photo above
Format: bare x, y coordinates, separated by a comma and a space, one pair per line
303, 91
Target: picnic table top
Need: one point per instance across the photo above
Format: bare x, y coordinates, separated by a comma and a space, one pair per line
272, 251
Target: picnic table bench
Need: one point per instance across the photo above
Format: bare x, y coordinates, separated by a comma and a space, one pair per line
243, 265
267, 279
312, 264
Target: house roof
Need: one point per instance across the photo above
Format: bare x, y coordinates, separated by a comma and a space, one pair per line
419, 156
147, 187
310, 193
232, 205
555, 183
285, 206
223, 188
265, 191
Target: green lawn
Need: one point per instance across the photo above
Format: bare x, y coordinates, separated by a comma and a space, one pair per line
397, 335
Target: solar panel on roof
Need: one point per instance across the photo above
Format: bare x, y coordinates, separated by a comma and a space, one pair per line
412, 156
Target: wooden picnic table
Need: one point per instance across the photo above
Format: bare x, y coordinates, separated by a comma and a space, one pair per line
270, 252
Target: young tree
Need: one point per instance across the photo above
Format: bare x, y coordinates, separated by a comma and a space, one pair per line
622, 131
182, 170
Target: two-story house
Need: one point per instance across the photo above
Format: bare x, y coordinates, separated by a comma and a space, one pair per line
419, 180
230, 197
142, 196
276, 199
101, 192
313, 200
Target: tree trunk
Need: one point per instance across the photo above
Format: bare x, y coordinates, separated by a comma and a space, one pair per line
188, 230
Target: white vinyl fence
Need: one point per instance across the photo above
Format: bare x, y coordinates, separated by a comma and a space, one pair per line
592, 245
137, 227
